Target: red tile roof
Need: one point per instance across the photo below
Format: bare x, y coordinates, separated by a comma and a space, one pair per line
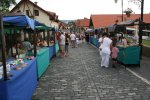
104, 20
82, 22
62, 24
53, 15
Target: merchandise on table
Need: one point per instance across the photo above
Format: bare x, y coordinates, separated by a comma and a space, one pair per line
14, 64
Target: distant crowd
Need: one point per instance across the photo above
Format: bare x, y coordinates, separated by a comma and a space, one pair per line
66, 39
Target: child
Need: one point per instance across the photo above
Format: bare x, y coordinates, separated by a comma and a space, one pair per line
114, 55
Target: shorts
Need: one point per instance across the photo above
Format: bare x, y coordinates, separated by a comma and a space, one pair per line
62, 48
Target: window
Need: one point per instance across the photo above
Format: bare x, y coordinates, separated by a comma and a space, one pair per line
36, 12
49, 18
27, 12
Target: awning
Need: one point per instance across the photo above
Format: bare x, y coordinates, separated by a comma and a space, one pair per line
112, 28
21, 20
45, 28
89, 30
128, 22
116, 28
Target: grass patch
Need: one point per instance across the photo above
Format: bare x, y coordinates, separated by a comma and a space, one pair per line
146, 42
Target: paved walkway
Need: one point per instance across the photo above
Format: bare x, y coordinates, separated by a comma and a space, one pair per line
79, 77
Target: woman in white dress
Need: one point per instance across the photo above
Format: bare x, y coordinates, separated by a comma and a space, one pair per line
106, 50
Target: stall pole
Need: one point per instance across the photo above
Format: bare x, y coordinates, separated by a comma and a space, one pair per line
48, 36
35, 42
25, 34
53, 32
44, 34
15, 33
3, 47
11, 44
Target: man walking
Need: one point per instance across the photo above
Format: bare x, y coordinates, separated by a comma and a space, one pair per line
73, 40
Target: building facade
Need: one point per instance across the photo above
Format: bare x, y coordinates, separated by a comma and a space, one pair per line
34, 11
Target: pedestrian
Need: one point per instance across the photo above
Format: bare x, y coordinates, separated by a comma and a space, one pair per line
15, 50
62, 44
66, 44
27, 47
114, 55
100, 40
73, 40
58, 39
106, 50
87, 37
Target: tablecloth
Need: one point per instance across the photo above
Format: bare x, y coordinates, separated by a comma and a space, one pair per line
22, 85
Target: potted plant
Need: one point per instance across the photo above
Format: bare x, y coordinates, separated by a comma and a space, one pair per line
116, 1
128, 12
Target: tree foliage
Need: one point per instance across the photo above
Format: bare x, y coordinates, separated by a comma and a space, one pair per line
5, 4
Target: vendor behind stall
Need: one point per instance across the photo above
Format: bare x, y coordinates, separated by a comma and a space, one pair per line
16, 49
27, 46
44, 43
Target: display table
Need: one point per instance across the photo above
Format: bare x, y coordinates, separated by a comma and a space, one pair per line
94, 41
51, 51
129, 55
56, 47
90, 39
42, 60
22, 85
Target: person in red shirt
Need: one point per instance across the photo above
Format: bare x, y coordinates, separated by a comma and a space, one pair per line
114, 55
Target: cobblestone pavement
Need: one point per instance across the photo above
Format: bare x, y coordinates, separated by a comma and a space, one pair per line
144, 70
80, 77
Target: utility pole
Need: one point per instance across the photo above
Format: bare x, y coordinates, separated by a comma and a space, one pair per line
121, 8
141, 27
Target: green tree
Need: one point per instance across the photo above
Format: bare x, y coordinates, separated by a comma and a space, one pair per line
5, 4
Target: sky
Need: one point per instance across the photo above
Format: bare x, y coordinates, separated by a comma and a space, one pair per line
78, 9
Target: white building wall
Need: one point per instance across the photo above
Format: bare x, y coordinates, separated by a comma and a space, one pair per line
43, 17
55, 25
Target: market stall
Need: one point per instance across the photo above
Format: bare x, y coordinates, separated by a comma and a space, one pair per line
42, 60
21, 84
94, 41
51, 51
45, 52
18, 76
129, 54
50, 39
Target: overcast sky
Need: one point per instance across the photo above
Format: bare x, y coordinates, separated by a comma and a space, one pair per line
78, 9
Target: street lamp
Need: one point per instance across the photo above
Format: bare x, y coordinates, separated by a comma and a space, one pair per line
121, 7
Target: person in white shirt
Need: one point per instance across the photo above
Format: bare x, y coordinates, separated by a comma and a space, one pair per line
124, 42
62, 44
100, 44
106, 50
73, 40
